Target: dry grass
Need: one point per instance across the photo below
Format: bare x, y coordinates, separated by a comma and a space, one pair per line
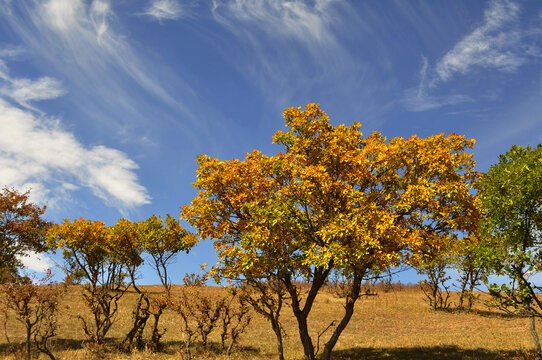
391, 325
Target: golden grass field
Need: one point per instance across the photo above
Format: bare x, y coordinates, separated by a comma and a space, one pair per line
392, 325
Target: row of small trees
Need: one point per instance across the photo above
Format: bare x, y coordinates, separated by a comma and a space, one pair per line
106, 259
472, 270
333, 203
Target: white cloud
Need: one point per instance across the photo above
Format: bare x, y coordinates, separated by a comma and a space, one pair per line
36, 262
288, 47
494, 44
498, 43
63, 15
307, 22
25, 90
416, 101
99, 13
11, 51
165, 10
35, 152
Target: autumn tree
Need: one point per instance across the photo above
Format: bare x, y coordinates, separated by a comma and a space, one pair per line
162, 239
511, 195
22, 229
126, 248
86, 247
333, 200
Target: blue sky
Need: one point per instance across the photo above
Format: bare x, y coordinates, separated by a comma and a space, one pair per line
104, 105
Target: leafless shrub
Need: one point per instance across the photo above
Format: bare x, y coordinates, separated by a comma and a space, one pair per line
435, 287
35, 304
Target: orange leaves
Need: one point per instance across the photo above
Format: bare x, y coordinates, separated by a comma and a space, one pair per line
333, 197
90, 238
78, 233
123, 242
22, 228
158, 235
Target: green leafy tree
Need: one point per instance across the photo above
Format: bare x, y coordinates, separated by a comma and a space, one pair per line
472, 268
333, 200
22, 229
511, 195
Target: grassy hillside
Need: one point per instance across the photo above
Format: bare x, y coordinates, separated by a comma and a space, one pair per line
396, 324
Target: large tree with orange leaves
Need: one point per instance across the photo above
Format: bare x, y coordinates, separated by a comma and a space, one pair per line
333, 200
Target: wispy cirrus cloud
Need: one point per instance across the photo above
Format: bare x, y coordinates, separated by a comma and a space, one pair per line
24, 91
287, 47
497, 44
166, 10
81, 41
306, 22
295, 51
11, 51
420, 99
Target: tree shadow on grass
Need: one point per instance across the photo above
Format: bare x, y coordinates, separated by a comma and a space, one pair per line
497, 314
424, 353
174, 346
67, 344
55, 343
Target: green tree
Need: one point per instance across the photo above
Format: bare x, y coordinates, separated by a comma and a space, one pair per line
511, 195
22, 229
472, 268
333, 200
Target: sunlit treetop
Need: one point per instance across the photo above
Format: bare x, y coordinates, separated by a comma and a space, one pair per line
334, 199
125, 243
164, 235
87, 240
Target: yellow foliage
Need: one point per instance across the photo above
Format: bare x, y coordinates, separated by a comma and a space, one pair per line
334, 198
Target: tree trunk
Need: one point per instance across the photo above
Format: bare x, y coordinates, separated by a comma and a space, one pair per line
156, 335
537, 348
319, 277
141, 314
28, 340
306, 340
352, 297
328, 347
278, 333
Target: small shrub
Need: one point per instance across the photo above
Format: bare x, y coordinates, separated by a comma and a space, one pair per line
35, 304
